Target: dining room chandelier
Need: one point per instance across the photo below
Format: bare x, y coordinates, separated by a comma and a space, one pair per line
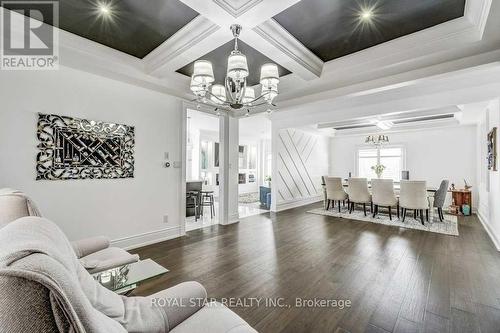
377, 140
235, 94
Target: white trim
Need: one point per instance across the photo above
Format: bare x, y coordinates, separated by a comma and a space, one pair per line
285, 205
147, 238
469, 28
237, 10
182, 190
303, 62
233, 218
183, 40
489, 231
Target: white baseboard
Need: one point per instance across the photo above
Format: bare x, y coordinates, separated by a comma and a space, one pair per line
490, 232
147, 238
281, 206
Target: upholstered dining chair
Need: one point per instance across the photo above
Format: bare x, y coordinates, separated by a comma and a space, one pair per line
334, 191
440, 197
413, 196
358, 193
383, 196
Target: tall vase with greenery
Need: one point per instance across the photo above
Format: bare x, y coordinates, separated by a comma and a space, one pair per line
267, 179
379, 170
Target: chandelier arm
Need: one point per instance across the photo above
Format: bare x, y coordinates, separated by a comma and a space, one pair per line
260, 97
221, 100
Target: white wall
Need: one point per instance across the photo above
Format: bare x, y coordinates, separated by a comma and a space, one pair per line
301, 158
431, 155
130, 209
489, 181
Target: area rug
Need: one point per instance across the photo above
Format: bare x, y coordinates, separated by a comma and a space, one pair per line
449, 226
248, 197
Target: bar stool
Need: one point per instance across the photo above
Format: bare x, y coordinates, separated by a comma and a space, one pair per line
192, 201
207, 200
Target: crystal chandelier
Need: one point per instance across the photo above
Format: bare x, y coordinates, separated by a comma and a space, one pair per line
235, 94
377, 140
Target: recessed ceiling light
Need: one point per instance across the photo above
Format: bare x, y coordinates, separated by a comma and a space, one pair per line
104, 9
366, 14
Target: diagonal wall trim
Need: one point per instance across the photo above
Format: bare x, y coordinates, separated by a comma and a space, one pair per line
311, 150
286, 185
291, 177
301, 160
293, 159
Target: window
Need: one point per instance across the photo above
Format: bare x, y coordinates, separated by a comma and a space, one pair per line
391, 157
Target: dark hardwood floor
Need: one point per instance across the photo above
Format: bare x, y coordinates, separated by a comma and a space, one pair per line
398, 280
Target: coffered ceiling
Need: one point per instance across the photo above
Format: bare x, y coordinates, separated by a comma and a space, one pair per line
319, 44
335, 28
131, 26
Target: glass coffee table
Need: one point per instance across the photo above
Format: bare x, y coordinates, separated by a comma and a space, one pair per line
124, 279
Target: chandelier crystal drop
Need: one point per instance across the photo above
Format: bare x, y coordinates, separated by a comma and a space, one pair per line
235, 94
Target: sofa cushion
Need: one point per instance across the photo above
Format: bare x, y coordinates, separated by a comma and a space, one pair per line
214, 318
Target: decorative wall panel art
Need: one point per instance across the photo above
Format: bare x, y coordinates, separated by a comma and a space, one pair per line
72, 148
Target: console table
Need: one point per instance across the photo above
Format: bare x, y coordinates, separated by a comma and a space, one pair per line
460, 198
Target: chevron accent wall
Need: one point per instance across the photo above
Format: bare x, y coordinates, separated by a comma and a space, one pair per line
302, 158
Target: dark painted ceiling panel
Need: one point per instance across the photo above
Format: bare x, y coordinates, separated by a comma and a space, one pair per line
218, 57
135, 27
333, 28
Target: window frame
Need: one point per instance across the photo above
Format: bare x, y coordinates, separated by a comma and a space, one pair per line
365, 147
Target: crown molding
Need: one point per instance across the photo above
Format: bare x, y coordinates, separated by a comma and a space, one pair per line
183, 40
234, 9
303, 62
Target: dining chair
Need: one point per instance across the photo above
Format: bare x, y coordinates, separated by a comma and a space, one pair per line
413, 196
383, 196
358, 193
440, 197
334, 191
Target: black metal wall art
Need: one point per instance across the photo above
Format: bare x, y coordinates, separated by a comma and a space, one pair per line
72, 148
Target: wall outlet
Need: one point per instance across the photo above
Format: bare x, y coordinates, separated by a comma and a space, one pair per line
165, 218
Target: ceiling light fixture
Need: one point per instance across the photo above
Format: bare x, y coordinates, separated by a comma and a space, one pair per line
104, 8
366, 14
377, 140
234, 94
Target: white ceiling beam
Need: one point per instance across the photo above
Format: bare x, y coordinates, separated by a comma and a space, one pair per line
191, 42
272, 40
268, 37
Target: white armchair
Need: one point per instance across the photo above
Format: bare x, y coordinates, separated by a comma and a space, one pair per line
413, 195
359, 194
95, 253
334, 191
383, 196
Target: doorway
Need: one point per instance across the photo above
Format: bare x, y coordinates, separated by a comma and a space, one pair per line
254, 165
202, 169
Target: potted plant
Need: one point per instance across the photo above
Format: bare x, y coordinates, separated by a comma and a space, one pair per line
379, 170
267, 179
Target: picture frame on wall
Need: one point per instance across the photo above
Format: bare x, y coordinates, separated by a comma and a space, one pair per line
492, 149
